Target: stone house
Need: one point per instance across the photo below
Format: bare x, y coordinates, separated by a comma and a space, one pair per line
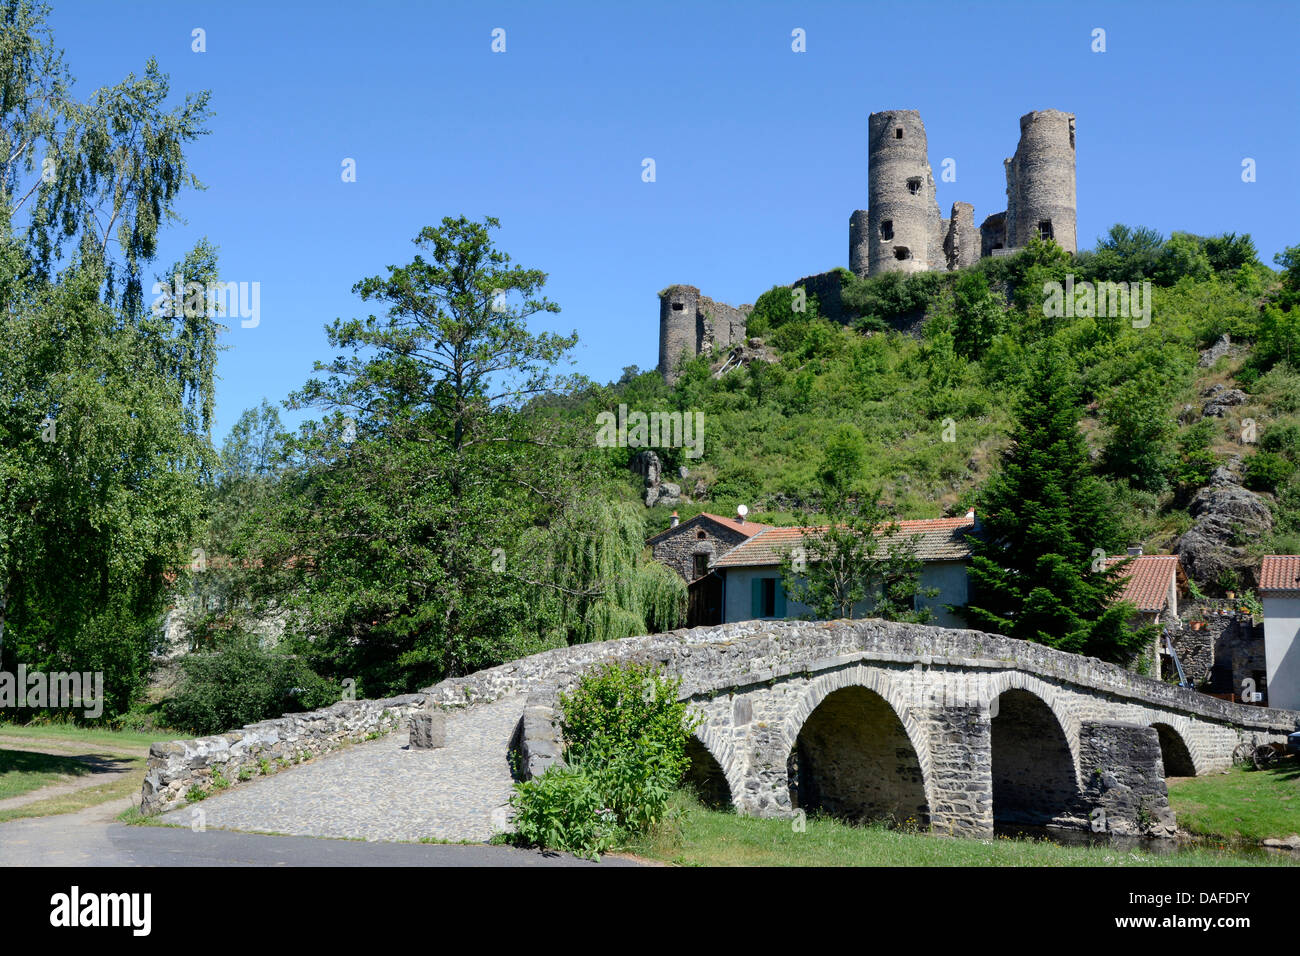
752, 587
1152, 583
1279, 592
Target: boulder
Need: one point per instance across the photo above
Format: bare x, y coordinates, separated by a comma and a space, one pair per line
1216, 351
647, 464
1227, 518
1220, 398
664, 493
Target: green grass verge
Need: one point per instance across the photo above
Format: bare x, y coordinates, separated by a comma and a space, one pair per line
715, 838
123, 785
1246, 805
23, 771
95, 736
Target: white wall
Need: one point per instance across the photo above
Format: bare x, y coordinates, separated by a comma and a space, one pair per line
948, 576
1282, 650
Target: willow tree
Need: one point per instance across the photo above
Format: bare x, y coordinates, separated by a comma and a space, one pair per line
104, 404
596, 577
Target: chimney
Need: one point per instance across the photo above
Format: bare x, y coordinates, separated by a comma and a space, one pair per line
971, 514
676, 520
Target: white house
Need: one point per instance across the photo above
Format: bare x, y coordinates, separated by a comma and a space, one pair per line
1279, 592
751, 571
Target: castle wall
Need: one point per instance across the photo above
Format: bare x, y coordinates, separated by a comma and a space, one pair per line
961, 244
859, 243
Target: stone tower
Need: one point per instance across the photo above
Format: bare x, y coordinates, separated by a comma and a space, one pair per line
679, 306
903, 226
1040, 181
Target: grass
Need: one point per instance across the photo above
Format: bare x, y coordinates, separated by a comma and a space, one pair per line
718, 838
1241, 805
123, 785
95, 736
23, 771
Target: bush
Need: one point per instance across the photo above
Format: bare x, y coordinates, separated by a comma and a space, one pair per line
625, 745
1265, 471
564, 809
243, 683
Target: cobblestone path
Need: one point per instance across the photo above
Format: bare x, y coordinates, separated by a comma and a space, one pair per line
380, 790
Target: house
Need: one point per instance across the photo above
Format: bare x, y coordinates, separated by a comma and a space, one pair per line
750, 572
1279, 592
691, 547
1151, 582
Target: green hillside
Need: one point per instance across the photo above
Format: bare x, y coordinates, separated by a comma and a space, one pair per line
921, 419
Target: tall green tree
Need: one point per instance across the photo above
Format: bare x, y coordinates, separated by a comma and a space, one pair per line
1046, 524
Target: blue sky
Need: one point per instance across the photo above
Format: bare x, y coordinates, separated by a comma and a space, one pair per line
760, 152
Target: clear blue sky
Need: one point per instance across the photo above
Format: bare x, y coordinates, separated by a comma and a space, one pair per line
760, 151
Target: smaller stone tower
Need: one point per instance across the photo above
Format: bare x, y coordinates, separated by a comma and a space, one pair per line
679, 306
1041, 181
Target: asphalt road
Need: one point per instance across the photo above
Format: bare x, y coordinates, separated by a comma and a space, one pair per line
92, 837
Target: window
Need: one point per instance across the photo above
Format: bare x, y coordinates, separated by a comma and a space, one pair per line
1045, 229
767, 598
887, 229
898, 132
701, 565
902, 252
914, 185
678, 306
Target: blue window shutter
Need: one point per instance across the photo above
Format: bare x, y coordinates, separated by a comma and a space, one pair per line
780, 598
756, 593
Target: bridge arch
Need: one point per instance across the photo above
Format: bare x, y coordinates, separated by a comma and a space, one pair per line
855, 749
713, 772
1176, 752
1034, 742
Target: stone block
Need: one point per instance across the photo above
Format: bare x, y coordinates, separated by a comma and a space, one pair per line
428, 730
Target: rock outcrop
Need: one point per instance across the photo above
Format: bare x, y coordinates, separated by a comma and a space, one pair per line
1227, 517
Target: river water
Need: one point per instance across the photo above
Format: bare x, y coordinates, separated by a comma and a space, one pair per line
1125, 844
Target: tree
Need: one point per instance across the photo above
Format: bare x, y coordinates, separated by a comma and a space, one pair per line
1046, 523
978, 315
860, 555
1139, 447
104, 405
433, 523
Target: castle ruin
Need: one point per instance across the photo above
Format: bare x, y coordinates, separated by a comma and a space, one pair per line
902, 230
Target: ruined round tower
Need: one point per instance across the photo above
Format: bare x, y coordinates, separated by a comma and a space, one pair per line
678, 332
903, 227
1040, 181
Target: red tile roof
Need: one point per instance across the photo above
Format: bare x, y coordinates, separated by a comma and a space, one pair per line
1280, 572
942, 539
1147, 580
747, 528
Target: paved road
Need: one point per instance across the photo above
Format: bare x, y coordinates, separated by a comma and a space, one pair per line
381, 789
93, 838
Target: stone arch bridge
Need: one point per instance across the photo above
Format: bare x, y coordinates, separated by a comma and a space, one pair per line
949, 729
952, 730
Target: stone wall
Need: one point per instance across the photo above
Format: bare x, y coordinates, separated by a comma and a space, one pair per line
176, 767
691, 324
826, 286
1124, 787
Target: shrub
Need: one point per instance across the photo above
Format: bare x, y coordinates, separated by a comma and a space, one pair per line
243, 683
563, 809
625, 744
1265, 471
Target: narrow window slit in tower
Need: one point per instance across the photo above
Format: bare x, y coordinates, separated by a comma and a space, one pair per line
1045, 229
898, 132
914, 185
902, 252
887, 229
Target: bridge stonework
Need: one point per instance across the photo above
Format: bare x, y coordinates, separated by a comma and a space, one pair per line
947, 729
